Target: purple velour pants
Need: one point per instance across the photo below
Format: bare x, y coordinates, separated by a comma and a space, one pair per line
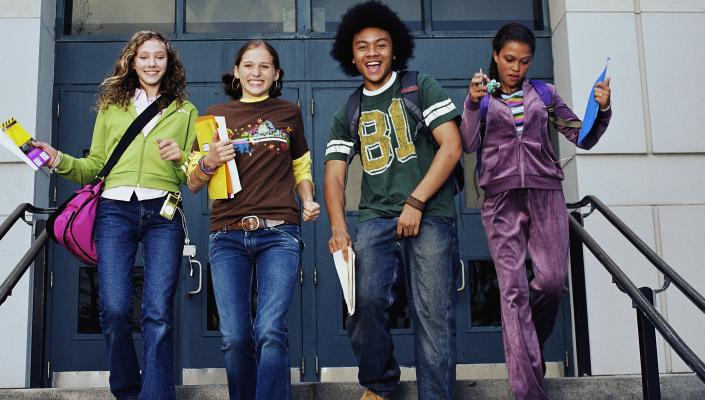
514, 221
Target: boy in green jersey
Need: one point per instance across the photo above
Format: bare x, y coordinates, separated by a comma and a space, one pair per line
407, 213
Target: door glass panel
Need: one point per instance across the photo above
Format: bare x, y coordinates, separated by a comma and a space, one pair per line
399, 313
212, 317
353, 185
463, 15
98, 17
484, 293
89, 302
326, 13
204, 16
474, 195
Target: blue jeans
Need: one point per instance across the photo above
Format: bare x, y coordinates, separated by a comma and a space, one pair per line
430, 263
255, 347
120, 226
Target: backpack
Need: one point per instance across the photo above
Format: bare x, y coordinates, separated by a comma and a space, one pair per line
546, 96
412, 103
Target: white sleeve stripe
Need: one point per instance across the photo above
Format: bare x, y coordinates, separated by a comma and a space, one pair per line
439, 112
433, 107
340, 142
338, 149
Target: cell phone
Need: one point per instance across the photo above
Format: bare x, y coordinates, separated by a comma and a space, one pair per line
171, 203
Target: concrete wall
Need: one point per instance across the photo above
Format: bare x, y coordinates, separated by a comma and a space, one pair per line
650, 165
27, 29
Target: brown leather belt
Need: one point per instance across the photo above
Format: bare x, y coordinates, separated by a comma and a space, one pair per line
253, 222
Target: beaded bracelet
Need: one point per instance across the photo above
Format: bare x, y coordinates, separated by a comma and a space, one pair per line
56, 163
202, 166
197, 173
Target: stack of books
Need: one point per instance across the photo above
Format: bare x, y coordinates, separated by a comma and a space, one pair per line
226, 180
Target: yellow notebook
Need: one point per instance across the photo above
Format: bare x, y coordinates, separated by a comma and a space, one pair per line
226, 181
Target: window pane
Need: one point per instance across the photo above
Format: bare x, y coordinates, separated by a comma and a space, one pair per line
99, 17
484, 293
463, 15
89, 302
203, 16
399, 312
326, 13
474, 195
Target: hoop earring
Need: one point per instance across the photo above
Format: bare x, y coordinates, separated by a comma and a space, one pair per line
232, 84
275, 88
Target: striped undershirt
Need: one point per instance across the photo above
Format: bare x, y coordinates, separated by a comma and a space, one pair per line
515, 101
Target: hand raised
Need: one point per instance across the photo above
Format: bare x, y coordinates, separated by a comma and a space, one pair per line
477, 87
603, 93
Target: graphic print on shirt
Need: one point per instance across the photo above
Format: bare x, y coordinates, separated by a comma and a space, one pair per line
378, 149
264, 132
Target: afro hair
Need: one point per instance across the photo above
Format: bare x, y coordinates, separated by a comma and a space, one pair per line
371, 14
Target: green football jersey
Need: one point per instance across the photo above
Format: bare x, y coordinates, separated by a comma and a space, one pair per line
393, 165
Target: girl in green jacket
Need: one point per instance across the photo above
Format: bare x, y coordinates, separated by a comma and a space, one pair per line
148, 70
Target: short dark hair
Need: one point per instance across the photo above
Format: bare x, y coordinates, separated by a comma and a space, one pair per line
511, 32
371, 14
229, 81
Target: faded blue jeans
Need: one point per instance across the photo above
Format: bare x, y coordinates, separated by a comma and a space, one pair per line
430, 263
255, 347
120, 226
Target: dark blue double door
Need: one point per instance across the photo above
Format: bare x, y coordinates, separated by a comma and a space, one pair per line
319, 345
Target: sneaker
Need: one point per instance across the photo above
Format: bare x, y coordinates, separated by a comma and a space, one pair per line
370, 395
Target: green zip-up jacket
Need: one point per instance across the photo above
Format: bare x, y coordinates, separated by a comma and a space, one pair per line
140, 165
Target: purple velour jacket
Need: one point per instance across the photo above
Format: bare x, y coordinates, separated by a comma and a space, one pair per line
511, 162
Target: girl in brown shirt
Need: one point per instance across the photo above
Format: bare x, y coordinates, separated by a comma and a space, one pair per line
255, 243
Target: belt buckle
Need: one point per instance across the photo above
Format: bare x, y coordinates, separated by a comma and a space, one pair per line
250, 223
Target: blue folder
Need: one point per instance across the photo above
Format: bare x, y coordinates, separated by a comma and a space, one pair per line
592, 107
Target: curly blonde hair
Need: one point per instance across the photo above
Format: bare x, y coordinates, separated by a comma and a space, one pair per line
119, 87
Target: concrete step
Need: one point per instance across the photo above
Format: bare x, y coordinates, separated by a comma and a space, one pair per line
673, 387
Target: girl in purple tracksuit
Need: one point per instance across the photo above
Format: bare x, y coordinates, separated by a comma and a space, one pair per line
524, 208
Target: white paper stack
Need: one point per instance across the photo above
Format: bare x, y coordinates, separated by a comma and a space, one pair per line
234, 174
346, 276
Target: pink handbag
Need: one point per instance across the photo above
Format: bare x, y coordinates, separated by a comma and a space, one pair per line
73, 223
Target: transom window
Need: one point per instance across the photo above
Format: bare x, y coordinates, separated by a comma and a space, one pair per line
233, 17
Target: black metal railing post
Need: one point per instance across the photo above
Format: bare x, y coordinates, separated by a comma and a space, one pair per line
40, 286
579, 298
647, 350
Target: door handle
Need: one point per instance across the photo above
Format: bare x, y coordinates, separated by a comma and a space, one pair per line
191, 262
462, 276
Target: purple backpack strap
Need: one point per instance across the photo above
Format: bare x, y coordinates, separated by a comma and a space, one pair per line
543, 91
484, 104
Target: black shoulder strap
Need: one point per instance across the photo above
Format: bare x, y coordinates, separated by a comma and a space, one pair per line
130, 134
352, 114
412, 99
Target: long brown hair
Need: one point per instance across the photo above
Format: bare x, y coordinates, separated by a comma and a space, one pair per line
119, 87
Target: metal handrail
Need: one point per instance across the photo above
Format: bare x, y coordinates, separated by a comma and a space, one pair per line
670, 274
639, 301
23, 265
